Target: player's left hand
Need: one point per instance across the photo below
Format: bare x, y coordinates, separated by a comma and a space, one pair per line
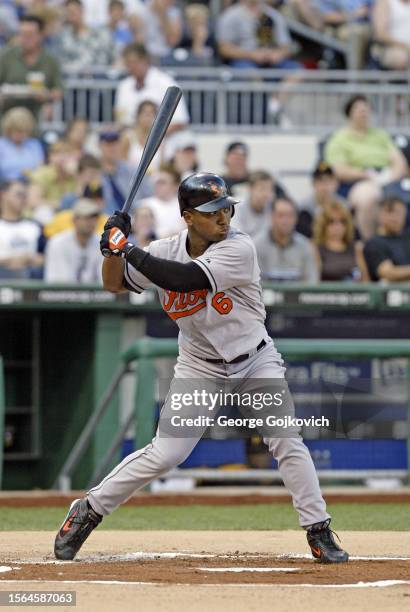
114, 242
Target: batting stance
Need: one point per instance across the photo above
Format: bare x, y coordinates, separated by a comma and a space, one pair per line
208, 282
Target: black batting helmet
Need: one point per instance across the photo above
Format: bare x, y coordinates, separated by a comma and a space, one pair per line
205, 192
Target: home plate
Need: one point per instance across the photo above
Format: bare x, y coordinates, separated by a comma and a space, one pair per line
248, 569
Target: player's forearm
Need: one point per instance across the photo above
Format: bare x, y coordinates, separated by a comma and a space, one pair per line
170, 275
113, 274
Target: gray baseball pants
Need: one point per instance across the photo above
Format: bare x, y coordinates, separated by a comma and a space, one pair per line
164, 453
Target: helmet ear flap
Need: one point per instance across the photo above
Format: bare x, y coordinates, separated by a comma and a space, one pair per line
232, 210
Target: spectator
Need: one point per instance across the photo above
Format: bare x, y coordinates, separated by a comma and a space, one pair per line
89, 173
197, 40
49, 183
117, 174
253, 35
283, 254
19, 152
74, 256
76, 134
252, 216
21, 240
121, 32
134, 138
64, 219
143, 227
339, 257
82, 48
348, 20
159, 26
325, 186
388, 254
8, 22
145, 82
236, 175
364, 158
164, 203
30, 65
181, 152
391, 22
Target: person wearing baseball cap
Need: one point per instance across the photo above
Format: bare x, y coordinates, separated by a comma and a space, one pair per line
324, 191
73, 256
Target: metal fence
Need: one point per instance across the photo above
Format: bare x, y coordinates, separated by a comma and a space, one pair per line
224, 99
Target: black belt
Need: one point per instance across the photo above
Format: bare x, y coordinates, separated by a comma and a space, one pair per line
240, 357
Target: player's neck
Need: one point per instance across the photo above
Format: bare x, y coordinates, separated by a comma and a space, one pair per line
195, 244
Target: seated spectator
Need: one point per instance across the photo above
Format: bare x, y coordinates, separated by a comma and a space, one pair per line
283, 254
121, 32
159, 26
145, 82
400, 190
88, 173
339, 257
180, 151
133, 139
251, 34
387, 255
21, 240
252, 216
236, 174
49, 183
77, 133
74, 256
348, 20
64, 219
28, 64
19, 151
83, 48
391, 23
117, 174
164, 202
197, 40
325, 185
364, 159
143, 227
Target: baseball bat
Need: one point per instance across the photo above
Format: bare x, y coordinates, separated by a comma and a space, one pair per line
156, 134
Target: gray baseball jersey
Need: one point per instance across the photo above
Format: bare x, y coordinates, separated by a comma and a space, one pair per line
226, 321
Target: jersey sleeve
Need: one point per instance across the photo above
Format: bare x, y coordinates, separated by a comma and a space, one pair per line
231, 263
133, 279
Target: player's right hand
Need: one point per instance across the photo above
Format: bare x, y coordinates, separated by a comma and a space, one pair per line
119, 220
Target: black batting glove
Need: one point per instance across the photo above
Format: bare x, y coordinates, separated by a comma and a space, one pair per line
120, 220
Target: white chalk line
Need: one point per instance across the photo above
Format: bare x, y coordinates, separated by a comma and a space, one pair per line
140, 555
357, 585
248, 569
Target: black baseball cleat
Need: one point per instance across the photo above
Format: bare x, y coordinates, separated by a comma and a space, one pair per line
77, 526
323, 545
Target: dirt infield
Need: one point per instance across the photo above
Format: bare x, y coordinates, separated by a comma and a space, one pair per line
129, 571
35, 499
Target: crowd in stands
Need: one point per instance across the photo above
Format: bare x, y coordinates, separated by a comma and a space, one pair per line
55, 195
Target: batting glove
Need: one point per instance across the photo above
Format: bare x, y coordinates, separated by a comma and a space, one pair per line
113, 242
119, 220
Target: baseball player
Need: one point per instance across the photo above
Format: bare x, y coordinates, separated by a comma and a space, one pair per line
208, 282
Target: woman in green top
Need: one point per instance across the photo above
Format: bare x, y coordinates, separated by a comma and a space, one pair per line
364, 158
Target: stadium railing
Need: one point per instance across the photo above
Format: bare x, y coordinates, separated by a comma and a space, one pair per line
147, 349
226, 99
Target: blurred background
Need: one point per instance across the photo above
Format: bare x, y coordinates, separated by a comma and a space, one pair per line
303, 107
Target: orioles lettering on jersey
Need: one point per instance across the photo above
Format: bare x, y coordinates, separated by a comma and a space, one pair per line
178, 305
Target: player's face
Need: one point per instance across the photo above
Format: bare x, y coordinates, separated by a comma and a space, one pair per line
212, 227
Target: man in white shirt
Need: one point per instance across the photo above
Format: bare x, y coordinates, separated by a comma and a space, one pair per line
21, 240
144, 82
164, 203
73, 256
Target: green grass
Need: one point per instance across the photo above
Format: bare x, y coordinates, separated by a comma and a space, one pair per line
354, 516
